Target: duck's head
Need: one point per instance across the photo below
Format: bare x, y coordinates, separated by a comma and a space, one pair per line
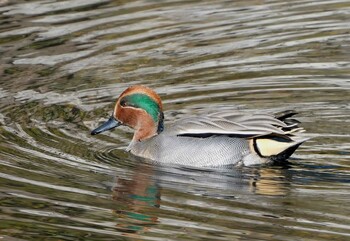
140, 108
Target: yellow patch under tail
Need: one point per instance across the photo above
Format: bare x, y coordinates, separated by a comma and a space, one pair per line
269, 147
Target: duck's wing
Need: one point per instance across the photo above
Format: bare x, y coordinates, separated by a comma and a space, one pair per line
233, 124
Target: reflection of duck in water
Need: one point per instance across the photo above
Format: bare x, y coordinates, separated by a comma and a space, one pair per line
136, 199
139, 198
217, 139
271, 181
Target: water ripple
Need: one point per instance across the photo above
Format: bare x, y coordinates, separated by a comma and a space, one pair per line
64, 64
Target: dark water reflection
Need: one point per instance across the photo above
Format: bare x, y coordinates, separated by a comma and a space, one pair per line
210, 202
63, 63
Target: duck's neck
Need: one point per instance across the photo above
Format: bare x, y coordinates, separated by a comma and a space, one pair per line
147, 128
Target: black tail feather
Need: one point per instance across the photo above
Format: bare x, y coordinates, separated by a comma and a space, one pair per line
285, 114
285, 154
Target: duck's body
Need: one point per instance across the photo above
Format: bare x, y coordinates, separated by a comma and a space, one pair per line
191, 151
218, 139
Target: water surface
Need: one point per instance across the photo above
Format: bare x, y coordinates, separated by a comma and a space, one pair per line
63, 64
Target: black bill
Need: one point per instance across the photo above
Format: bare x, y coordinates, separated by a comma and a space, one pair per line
108, 125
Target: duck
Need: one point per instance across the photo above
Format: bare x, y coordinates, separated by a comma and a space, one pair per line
221, 138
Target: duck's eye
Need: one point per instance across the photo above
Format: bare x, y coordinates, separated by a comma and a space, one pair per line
123, 103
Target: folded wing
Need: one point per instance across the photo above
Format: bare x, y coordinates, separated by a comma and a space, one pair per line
237, 124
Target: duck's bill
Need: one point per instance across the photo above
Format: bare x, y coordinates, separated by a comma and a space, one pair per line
108, 125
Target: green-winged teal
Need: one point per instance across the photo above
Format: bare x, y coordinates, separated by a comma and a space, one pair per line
218, 139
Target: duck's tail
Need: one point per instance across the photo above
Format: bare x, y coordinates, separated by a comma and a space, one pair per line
280, 147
